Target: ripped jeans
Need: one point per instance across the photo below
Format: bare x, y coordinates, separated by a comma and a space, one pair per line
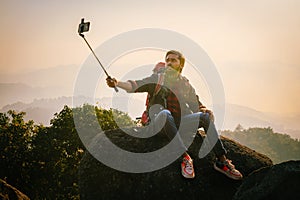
190, 122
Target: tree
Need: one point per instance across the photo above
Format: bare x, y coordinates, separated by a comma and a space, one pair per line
58, 150
43, 161
278, 147
16, 138
239, 128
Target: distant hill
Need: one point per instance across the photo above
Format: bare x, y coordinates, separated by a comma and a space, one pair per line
248, 117
20, 92
36, 89
44, 83
278, 147
42, 110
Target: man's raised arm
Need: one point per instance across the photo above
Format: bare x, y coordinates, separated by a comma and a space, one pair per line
112, 82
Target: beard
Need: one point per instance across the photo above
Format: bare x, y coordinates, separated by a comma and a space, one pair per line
171, 76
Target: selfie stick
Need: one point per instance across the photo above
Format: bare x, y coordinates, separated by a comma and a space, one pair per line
84, 27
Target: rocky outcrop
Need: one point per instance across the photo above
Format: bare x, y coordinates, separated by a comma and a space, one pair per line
8, 192
98, 181
280, 181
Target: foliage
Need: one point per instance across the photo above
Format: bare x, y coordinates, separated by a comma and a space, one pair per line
16, 138
279, 147
43, 161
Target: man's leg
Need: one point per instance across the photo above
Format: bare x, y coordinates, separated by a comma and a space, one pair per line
165, 120
213, 135
204, 121
170, 129
222, 164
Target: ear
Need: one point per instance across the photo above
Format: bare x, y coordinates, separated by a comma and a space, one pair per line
181, 68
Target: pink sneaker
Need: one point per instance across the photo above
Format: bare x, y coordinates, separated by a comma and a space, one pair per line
228, 169
187, 168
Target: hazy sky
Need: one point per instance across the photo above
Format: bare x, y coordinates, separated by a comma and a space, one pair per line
254, 44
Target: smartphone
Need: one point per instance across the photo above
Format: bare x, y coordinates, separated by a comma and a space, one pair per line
83, 26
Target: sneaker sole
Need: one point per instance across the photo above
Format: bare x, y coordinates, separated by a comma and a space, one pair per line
187, 176
228, 175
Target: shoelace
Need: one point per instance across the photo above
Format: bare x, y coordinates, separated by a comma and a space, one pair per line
188, 164
229, 164
231, 167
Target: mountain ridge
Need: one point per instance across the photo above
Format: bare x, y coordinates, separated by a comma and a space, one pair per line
52, 83
42, 110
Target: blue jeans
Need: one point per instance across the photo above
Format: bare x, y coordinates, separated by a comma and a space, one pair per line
188, 121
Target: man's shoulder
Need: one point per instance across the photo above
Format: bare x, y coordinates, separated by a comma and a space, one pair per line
184, 79
186, 83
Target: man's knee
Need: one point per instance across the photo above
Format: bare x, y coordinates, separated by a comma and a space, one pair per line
204, 119
163, 117
165, 113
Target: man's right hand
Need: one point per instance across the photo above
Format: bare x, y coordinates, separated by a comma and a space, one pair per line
205, 110
111, 82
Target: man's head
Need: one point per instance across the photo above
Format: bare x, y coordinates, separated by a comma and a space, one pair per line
175, 59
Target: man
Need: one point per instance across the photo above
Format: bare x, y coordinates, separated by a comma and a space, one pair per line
178, 103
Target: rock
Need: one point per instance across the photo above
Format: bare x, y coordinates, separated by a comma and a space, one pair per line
280, 181
8, 192
98, 181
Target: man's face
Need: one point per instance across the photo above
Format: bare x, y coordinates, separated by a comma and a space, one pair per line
172, 61
172, 68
